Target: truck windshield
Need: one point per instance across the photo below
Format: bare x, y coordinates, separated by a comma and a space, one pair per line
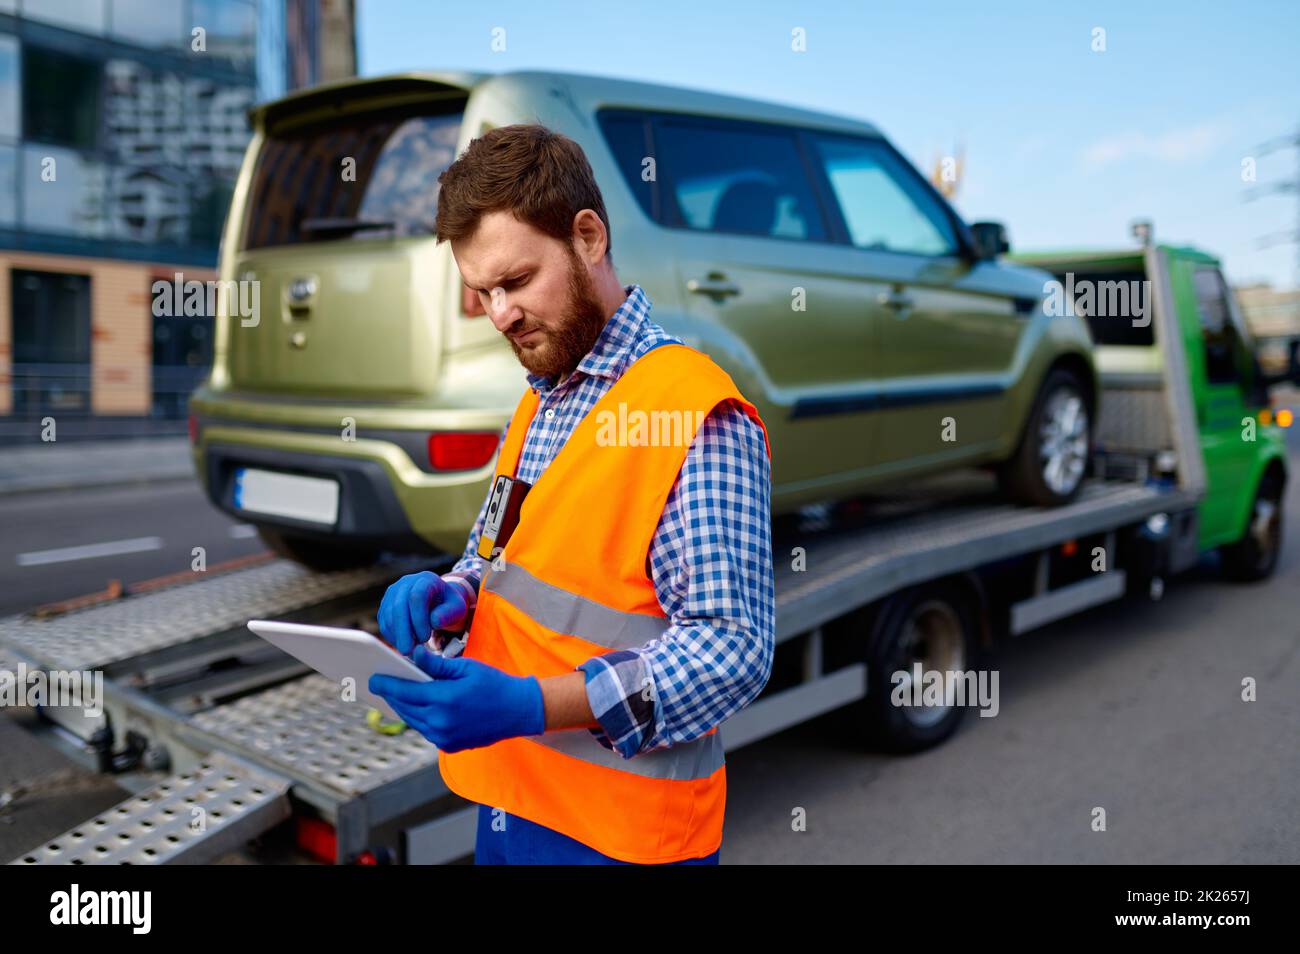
369, 176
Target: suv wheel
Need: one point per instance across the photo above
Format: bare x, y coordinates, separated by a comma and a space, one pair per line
1047, 468
316, 555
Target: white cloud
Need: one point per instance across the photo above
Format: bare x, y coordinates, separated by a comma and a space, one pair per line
1179, 145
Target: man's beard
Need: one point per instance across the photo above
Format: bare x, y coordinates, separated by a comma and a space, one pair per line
568, 344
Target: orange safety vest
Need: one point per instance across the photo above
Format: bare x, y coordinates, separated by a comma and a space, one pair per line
571, 583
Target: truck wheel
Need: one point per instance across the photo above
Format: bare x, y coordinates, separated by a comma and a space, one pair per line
316, 555
1254, 556
1047, 468
933, 626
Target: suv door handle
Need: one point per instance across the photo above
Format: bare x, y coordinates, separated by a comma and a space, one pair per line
715, 285
897, 301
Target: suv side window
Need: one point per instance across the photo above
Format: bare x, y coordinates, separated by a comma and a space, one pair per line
736, 178
885, 207
1223, 346
628, 138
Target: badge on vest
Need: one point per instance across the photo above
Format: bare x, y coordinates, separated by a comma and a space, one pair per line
502, 514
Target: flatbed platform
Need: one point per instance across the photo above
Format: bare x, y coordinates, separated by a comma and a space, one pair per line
876, 546
182, 671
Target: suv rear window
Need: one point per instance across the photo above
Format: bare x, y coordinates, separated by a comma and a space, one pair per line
373, 175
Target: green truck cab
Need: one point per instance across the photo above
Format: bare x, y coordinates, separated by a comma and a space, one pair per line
1241, 465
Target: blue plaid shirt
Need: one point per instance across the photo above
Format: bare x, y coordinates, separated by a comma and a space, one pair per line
710, 558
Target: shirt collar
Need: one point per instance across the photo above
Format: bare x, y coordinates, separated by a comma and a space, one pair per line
615, 345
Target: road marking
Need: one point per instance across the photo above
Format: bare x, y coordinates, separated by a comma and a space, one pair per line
90, 551
242, 531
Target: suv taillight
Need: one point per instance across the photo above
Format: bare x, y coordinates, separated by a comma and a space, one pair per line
462, 450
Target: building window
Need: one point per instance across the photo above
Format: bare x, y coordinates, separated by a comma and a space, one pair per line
10, 117
63, 192
84, 16
51, 342
182, 356
118, 150
230, 27
8, 186
61, 102
150, 23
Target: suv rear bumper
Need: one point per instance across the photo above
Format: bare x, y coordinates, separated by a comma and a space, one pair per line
385, 501
369, 512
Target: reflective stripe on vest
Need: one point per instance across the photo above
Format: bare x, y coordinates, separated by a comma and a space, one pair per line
575, 615
564, 612
698, 758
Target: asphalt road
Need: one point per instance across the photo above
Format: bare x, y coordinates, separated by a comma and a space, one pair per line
68, 543
1134, 708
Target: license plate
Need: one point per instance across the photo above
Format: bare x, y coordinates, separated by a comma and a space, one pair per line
314, 499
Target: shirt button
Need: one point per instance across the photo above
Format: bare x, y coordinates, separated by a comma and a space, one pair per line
550, 413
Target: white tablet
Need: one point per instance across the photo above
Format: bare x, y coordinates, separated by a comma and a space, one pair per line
340, 654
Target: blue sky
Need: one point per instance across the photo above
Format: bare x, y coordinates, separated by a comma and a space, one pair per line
1063, 144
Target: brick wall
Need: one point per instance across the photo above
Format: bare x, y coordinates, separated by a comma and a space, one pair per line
121, 326
121, 335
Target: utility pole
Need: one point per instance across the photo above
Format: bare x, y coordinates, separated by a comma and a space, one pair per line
1289, 141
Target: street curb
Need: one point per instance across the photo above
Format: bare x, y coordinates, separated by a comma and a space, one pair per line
54, 486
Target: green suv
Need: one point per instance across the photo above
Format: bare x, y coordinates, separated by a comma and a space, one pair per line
360, 407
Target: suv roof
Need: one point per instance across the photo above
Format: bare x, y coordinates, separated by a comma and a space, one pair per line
586, 93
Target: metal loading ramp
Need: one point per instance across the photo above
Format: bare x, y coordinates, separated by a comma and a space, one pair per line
188, 818
306, 730
112, 632
257, 740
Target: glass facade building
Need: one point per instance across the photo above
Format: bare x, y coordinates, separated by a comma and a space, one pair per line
122, 127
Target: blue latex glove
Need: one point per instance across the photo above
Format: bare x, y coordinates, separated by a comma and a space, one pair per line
416, 605
467, 705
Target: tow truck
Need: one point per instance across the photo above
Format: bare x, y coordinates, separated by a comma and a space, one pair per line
221, 739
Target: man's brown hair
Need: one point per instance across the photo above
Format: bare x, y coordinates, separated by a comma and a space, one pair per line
540, 176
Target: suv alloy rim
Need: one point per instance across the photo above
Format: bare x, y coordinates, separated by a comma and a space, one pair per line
1063, 446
